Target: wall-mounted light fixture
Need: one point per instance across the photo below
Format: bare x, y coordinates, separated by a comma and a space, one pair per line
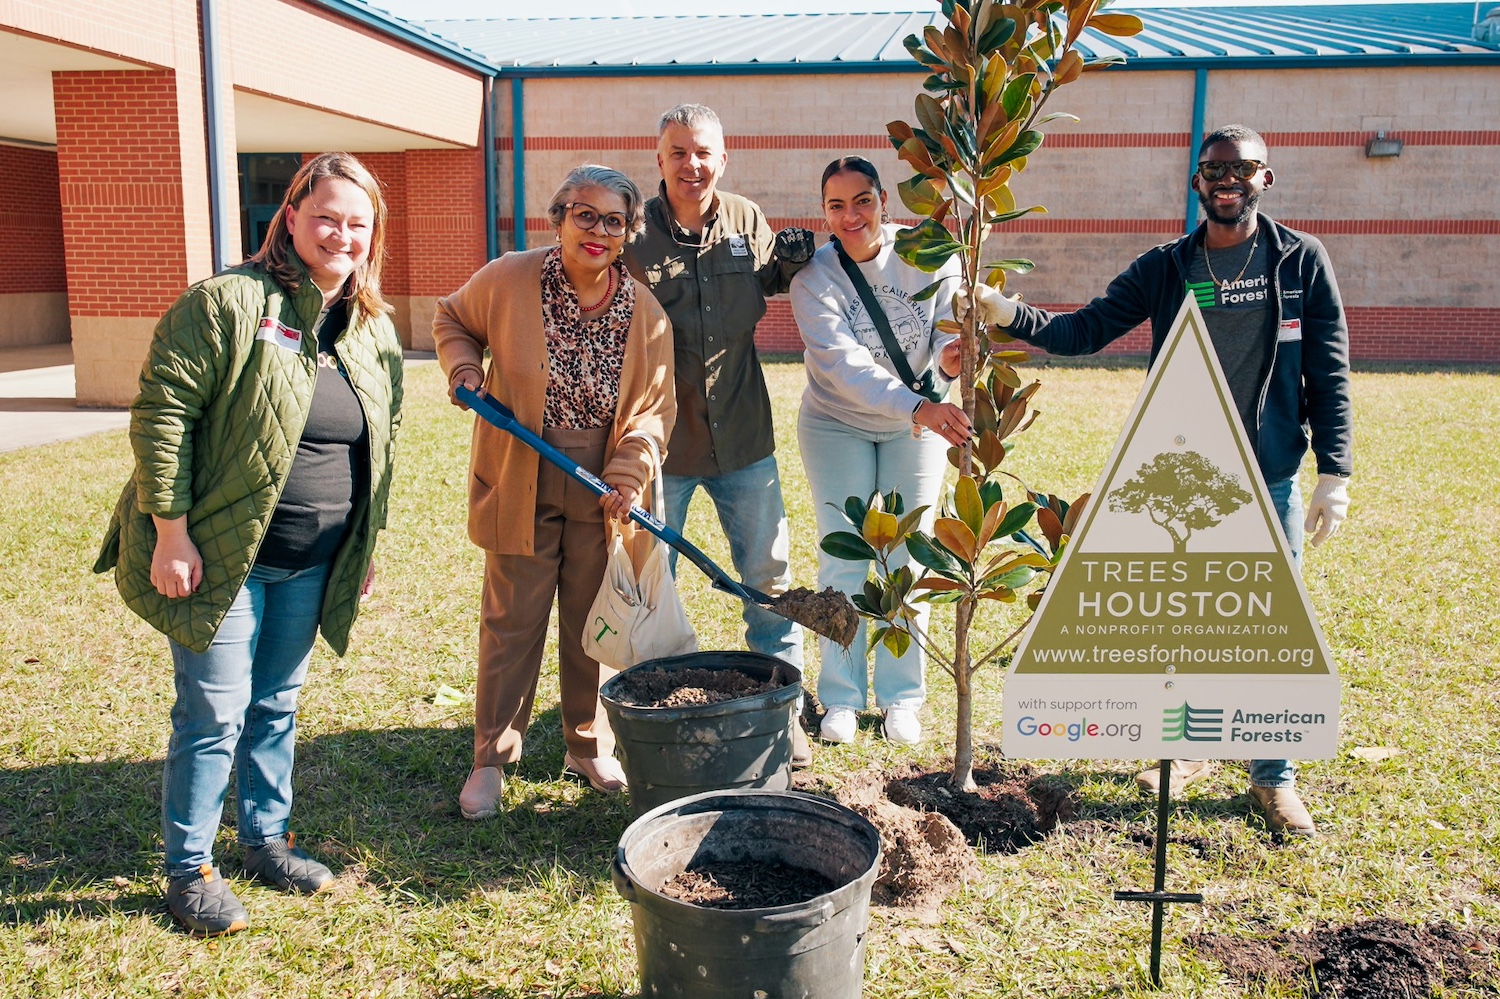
1380, 147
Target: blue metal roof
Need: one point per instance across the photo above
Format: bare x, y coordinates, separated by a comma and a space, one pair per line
1174, 38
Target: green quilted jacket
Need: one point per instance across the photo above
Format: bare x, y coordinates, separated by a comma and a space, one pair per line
221, 408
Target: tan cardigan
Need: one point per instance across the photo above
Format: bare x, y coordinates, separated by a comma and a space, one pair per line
500, 307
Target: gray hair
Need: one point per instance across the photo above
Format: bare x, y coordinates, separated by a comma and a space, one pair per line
689, 116
593, 175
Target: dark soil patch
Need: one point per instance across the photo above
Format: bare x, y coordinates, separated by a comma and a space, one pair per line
1374, 959
681, 688
828, 612
746, 885
1012, 808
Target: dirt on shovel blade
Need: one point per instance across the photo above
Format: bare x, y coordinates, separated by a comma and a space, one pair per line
828, 612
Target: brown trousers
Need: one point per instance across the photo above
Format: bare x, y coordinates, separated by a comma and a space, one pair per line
517, 603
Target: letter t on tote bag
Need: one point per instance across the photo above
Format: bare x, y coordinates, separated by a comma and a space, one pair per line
638, 616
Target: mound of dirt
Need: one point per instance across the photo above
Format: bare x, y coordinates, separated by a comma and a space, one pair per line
681, 688
1373, 959
924, 859
1013, 806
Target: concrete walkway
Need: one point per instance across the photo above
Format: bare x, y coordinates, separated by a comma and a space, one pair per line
37, 399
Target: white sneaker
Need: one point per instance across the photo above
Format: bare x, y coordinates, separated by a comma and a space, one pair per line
839, 725
902, 726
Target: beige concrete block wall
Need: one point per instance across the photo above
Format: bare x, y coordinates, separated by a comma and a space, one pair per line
1389, 97
377, 79
30, 318
108, 352
422, 309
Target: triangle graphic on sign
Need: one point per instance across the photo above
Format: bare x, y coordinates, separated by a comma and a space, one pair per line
1177, 624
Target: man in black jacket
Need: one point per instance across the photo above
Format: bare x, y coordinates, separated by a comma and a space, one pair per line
1272, 308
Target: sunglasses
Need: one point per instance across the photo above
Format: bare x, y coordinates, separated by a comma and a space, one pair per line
586, 217
1216, 169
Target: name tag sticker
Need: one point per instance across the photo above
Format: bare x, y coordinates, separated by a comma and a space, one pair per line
1290, 331
739, 246
277, 332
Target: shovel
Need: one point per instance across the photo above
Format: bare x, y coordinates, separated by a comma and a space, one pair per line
828, 613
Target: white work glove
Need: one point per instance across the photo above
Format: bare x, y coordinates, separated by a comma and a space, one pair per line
994, 309
1326, 509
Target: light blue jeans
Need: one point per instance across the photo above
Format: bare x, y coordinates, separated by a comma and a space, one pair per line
753, 517
1286, 497
237, 708
842, 461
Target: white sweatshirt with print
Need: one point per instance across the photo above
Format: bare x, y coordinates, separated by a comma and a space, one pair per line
849, 376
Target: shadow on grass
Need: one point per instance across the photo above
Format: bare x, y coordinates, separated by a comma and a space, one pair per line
382, 804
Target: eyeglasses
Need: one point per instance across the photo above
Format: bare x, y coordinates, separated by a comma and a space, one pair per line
1243, 169
586, 217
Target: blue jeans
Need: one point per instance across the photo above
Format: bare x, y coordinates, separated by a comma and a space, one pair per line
843, 461
237, 707
1286, 497
753, 517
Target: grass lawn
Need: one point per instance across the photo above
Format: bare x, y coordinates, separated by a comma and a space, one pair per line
429, 905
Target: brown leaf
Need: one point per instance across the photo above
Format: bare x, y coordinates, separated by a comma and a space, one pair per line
1052, 528
956, 537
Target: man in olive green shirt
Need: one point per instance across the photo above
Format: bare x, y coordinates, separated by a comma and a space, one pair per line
710, 258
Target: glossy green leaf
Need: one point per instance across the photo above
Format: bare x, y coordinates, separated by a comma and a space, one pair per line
928, 291
1016, 94
927, 246
1018, 517
1016, 265
848, 546
925, 550
854, 510
898, 641
1026, 143
922, 195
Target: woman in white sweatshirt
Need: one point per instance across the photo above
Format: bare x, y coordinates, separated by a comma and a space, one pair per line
867, 426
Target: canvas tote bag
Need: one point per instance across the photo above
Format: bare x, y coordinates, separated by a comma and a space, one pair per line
637, 615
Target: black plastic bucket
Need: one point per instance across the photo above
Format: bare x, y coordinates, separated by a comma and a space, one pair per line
809, 950
669, 753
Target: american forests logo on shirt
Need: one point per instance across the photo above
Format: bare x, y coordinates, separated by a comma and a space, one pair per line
1246, 291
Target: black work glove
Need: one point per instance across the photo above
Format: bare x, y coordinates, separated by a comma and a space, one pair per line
794, 246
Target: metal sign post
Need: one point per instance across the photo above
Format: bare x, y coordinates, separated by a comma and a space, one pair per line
1158, 897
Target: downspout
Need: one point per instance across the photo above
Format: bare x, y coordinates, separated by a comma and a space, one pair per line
518, 158
1200, 100
224, 232
491, 185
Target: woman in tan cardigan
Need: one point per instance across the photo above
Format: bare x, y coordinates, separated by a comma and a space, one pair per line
582, 355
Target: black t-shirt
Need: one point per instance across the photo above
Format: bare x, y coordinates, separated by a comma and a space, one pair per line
1236, 301
330, 468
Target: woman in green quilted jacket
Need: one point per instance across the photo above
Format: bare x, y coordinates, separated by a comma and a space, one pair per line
263, 436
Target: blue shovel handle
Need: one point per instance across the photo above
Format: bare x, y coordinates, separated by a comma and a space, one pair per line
496, 414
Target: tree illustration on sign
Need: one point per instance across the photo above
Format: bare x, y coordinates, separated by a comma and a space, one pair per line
1182, 493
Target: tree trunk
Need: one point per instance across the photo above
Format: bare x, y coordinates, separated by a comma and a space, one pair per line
963, 676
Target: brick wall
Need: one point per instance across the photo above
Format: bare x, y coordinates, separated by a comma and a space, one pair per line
1460, 336
120, 179
445, 217
31, 233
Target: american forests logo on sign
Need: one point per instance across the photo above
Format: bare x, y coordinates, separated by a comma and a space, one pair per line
1177, 625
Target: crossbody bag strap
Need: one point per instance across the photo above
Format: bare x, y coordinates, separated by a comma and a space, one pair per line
882, 324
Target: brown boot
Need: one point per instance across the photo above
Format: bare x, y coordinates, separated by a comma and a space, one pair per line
1184, 772
801, 747
1285, 813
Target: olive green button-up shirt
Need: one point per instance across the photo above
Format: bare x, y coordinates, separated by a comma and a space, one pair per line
714, 290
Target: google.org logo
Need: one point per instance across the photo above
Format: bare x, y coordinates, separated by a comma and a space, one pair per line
1075, 731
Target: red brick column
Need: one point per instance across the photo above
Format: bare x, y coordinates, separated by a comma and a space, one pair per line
134, 219
445, 229
33, 276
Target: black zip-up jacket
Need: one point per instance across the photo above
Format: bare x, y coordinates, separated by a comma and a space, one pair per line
1305, 387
